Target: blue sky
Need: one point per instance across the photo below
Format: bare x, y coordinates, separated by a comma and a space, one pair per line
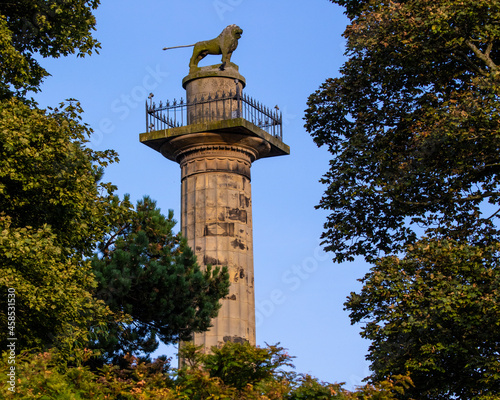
288, 48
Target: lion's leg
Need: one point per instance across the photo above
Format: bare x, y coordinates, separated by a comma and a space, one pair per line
201, 56
226, 57
199, 53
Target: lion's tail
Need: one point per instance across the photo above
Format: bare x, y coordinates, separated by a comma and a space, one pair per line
177, 47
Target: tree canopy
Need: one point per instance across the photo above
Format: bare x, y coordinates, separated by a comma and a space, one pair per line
30, 29
49, 177
413, 126
234, 371
434, 314
53, 213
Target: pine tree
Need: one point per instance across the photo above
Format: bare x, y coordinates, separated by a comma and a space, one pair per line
149, 274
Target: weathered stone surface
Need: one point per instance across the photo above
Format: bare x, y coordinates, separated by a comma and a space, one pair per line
231, 71
217, 221
222, 85
170, 142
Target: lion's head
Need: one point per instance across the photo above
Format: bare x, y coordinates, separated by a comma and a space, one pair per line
232, 30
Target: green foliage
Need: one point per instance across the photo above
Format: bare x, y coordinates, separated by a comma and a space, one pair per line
150, 274
136, 379
310, 388
53, 304
50, 28
242, 365
412, 124
434, 314
15, 71
38, 377
53, 212
239, 366
41, 376
259, 375
242, 371
49, 177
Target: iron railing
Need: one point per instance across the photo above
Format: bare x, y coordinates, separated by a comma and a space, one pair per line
220, 106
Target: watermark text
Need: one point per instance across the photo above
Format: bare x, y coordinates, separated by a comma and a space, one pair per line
11, 339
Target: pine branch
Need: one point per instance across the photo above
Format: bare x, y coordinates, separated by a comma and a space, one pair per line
112, 238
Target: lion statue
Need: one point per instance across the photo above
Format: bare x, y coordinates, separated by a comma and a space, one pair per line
223, 44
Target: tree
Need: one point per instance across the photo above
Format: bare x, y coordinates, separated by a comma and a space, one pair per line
259, 375
242, 371
49, 177
145, 271
53, 213
55, 209
435, 315
413, 127
50, 28
412, 124
234, 371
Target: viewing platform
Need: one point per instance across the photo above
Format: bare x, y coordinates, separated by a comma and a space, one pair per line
225, 111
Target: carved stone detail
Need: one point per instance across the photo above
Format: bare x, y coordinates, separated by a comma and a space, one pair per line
216, 158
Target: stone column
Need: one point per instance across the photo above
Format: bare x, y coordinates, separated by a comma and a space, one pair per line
216, 218
216, 205
215, 151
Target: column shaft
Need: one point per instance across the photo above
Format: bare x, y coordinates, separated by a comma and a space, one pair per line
216, 218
